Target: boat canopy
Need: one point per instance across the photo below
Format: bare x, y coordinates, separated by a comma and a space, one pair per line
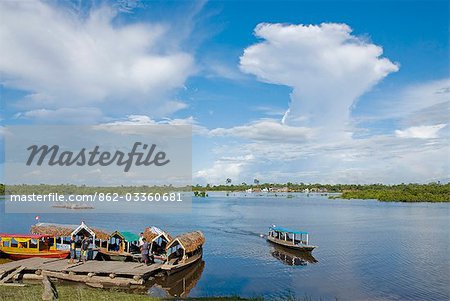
25, 236
62, 230
285, 230
130, 236
188, 241
153, 233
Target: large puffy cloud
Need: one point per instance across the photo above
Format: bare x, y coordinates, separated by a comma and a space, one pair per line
417, 151
327, 67
66, 60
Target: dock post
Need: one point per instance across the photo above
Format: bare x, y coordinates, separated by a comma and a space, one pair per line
50, 293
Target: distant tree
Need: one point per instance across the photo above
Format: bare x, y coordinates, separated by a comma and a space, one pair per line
256, 181
228, 181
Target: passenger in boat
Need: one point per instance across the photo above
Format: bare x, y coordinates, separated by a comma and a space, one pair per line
144, 251
72, 249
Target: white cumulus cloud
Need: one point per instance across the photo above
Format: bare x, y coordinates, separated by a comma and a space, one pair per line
327, 67
65, 60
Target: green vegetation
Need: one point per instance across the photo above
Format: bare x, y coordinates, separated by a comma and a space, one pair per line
401, 193
78, 292
83, 189
200, 194
432, 192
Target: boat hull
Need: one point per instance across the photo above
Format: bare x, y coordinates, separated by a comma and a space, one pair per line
288, 244
25, 255
115, 256
174, 268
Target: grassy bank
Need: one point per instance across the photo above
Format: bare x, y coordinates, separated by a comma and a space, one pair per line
80, 293
402, 193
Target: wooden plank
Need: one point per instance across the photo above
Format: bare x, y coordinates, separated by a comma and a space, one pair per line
13, 284
10, 276
8, 267
105, 268
122, 282
50, 293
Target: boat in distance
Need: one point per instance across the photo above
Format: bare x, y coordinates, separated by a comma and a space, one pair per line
297, 240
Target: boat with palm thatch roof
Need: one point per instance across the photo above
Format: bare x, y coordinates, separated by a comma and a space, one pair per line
158, 241
62, 234
121, 246
183, 251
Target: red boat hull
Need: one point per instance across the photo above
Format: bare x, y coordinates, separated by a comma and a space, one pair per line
17, 256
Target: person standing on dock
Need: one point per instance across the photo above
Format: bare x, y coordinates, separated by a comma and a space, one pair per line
141, 239
90, 249
72, 249
84, 246
144, 251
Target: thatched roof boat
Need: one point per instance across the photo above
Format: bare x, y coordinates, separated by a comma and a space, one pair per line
63, 230
153, 233
183, 251
158, 240
189, 241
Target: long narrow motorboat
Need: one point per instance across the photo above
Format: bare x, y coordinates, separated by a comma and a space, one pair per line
21, 246
183, 251
298, 240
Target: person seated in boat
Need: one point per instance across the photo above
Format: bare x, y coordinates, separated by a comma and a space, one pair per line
144, 251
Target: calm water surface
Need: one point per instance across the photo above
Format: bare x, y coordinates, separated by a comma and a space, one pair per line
367, 250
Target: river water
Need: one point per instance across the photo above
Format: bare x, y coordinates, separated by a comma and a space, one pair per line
367, 250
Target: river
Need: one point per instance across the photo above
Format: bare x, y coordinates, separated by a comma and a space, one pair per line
367, 250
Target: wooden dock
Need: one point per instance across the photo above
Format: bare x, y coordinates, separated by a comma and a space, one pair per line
92, 272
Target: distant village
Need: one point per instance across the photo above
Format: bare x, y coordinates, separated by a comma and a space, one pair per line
286, 189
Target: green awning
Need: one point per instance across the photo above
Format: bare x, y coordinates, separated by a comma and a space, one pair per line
130, 236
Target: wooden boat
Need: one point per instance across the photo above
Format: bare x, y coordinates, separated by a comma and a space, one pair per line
63, 233
179, 284
22, 246
158, 241
297, 240
183, 251
121, 246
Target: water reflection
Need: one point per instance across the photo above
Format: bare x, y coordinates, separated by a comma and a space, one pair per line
292, 257
178, 284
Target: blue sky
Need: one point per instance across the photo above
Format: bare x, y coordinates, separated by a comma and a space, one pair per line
300, 91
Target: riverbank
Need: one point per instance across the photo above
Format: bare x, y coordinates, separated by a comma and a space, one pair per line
432, 192
77, 293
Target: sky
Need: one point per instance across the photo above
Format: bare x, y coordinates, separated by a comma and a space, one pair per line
299, 91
